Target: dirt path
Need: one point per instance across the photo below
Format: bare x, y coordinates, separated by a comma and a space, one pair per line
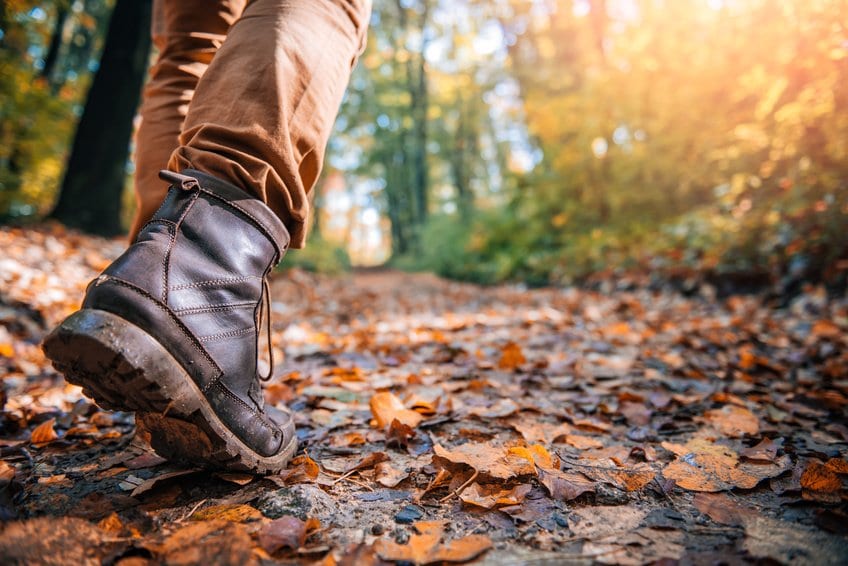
443, 422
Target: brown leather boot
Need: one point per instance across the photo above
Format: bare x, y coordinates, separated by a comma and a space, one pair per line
171, 329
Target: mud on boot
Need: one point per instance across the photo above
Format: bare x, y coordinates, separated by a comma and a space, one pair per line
171, 329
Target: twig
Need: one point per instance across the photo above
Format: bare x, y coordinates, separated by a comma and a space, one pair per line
190, 513
360, 484
460, 488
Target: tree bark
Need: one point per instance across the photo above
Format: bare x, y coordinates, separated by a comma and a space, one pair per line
92, 189
55, 42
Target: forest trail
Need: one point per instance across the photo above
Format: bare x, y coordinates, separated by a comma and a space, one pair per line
447, 422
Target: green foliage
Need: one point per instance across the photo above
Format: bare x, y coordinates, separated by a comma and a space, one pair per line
681, 135
318, 256
39, 107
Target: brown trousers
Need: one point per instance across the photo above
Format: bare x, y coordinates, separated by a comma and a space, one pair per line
246, 90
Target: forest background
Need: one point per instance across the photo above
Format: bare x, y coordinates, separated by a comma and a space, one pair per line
535, 141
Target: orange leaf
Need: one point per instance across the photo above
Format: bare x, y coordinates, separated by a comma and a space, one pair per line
837, 465
44, 433
301, 469
820, 477
487, 458
536, 454
425, 547
234, 512
511, 357
733, 421
386, 407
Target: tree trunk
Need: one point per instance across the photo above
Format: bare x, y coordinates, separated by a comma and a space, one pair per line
55, 43
92, 189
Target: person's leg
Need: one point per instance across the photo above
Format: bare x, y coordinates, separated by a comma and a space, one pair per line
171, 329
187, 34
263, 112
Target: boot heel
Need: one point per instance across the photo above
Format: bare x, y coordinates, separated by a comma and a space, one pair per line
119, 365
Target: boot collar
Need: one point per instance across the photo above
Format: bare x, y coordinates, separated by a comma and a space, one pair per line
256, 210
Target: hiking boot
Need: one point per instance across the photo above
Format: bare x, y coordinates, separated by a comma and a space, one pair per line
171, 329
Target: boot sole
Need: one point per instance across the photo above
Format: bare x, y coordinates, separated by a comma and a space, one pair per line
123, 368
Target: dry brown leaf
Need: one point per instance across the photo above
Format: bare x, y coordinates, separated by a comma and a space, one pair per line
582, 442
825, 329
592, 424
301, 469
149, 484
111, 524
369, 461
388, 476
44, 433
493, 496
537, 455
565, 486
709, 471
286, 532
821, 478
400, 433
501, 408
765, 451
733, 421
511, 357
837, 465
631, 478
232, 512
238, 479
425, 547
7, 473
386, 407
721, 508
534, 431
487, 458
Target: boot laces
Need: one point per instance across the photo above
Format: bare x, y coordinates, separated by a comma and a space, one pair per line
265, 318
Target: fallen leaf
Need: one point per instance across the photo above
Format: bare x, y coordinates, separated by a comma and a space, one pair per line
149, 484
511, 357
232, 512
7, 473
238, 479
501, 408
565, 486
300, 470
765, 451
369, 461
486, 458
709, 472
425, 546
388, 476
286, 532
493, 496
537, 455
631, 478
386, 407
582, 442
534, 431
819, 477
733, 421
721, 508
44, 433
111, 524
837, 465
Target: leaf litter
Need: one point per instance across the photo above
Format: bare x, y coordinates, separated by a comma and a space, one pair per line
442, 422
